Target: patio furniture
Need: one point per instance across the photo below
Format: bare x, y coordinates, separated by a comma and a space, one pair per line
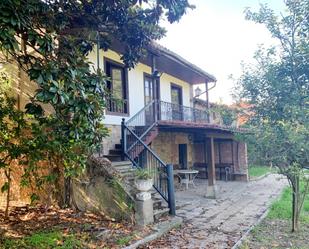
238, 175
188, 176
202, 170
224, 171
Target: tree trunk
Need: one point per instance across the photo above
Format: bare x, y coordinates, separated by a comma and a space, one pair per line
8, 195
67, 191
295, 204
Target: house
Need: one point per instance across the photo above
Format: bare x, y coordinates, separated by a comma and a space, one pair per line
154, 120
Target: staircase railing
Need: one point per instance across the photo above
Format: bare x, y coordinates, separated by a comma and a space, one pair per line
142, 156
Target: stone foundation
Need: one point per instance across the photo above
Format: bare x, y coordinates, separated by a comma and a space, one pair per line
100, 190
166, 145
113, 138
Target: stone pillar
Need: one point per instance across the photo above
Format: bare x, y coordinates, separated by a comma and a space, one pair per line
243, 161
144, 207
211, 170
144, 212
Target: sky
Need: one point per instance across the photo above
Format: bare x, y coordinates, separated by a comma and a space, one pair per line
216, 37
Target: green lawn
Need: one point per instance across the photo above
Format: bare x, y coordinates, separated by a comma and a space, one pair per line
44, 239
278, 225
256, 171
282, 208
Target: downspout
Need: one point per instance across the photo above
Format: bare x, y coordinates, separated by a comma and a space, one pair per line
98, 50
207, 101
155, 97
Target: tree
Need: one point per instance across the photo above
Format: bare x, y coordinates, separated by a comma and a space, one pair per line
277, 88
50, 40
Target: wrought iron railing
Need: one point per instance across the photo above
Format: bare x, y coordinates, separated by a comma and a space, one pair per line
175, 112
135, 148
142, 156
116, 105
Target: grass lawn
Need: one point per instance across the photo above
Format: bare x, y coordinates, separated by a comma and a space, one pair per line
256, 171
275, 230
52, 239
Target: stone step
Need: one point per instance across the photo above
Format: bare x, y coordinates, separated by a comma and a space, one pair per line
157, 204
130, 174
113, 158
122, 167
115, 152
125, 169
118, 146
158, 213
121, 163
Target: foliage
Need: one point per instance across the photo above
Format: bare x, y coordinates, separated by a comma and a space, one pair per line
277, 90
143, 174
256, 171
281, 209
124, 240
50, 41
227, 114
44, 239
13, 124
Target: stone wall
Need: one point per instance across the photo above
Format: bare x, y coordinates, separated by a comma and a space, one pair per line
166, 145
243, 160
18, 196
100, 190
113, 138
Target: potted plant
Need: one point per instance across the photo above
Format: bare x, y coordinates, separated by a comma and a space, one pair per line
143, 180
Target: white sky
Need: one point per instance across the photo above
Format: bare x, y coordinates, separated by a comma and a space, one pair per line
216, 37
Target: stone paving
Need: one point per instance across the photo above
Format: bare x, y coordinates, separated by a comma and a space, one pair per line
220, 223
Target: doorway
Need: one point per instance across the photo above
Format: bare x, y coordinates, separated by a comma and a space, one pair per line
151, 92
183, 156
176, 99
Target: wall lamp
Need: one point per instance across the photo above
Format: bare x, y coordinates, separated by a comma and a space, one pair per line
157, 74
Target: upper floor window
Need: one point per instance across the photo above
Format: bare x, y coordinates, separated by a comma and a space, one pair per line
118, 87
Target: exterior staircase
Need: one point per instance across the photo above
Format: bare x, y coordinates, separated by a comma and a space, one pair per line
115, 154
127, 172
136, 136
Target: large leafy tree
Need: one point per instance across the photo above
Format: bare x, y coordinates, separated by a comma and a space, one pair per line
50, 41
277, 88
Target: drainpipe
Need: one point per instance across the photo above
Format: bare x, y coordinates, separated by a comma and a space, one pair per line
98, 50
154, 79
207, 101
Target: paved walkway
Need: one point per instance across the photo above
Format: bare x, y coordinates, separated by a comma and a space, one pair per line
220, 223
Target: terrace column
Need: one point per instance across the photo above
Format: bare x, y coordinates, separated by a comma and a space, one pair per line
211, 170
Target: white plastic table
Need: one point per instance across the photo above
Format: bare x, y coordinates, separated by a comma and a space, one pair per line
189, 176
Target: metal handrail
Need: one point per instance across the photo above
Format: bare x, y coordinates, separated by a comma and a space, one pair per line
142, 136
146, 146
155, 163
127, 123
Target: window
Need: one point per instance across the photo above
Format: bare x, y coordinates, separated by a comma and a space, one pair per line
148, 89
117, 102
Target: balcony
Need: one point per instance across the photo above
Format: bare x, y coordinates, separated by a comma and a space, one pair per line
174, 112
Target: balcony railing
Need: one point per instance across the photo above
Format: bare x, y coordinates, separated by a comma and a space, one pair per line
115, 105
175, 112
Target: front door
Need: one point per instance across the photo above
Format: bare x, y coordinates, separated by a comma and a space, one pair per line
151, 92
176, 99
183, 159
